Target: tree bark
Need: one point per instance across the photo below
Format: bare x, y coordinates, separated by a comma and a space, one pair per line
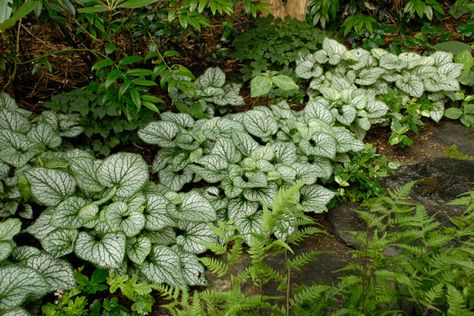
294, 8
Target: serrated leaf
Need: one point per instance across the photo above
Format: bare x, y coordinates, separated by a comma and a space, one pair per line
194, 237
18, 283
86, 174
56, 272
160, 133
196, 208
138, 249
126, 172
105, 251
49, 187
9, 228
156, 212
164, 267
60, 242
67, 213
285, 83
120, 218
411, 85
45, 134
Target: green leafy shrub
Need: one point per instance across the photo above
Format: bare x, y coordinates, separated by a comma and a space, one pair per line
274, 44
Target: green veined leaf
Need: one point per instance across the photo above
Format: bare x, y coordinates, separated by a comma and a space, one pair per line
86, 174
67, 213
6, 248
17, 311
183, 120
43, 225
194, 237
249, 226
175, 180
244, 142
49, 187
14, 121
120, 218
126, 172
45, 134
315, 198
322, 144
9, 228
411, 85
285, 83
56, 272
318, 108
196, 208
225, 148
18, 283
240, 208
192, 269
156, 212
105, 251
22, 253
259, 124
212, 77
285, 153
18, 141
263, 196
160, 133
164, 267
60, 242
138, 249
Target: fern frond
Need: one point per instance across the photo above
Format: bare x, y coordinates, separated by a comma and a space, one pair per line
416, 250
404, 191
218, 249
301, 234
167, 292
216, 266
235, 252
303, 259
308, 293
456, 302
434, 293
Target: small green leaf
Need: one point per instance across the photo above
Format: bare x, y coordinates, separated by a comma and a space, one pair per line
285, 82
453, 113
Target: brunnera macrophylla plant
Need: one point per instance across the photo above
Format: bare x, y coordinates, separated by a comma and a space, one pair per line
108, 213
349, 82
24, 139
243, 159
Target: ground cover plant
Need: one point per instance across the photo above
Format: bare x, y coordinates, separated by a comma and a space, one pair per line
92, 224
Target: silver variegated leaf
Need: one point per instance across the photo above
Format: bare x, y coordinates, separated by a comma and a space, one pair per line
249, 226
442, 58
333, 48
251, 180
45, 134
322, 145
306, 172
126, 172
105, 251
194, 237
67, 213
369, 76
17, 311
42, 226
60, 242
175, 180
344, 140
156, 212
212, 77
18, 283
225, 148
6, 248
166, 236
450, 70
164, 267
49, 186
263, 153
56, 272
239, 208
160, 133
9, 228
17, 158
138, 249
14, 121
120, 218
15, 140
411, 85
86, 174
347, 116
244, 143
195, 208
183, 120
22, 253
318, 108
438, 83
285, 153
308, 69
192, 269
260, 125
263, 196
376, 109
315, 198
207, 175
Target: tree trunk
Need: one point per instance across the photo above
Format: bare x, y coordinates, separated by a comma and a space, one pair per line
296, 9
